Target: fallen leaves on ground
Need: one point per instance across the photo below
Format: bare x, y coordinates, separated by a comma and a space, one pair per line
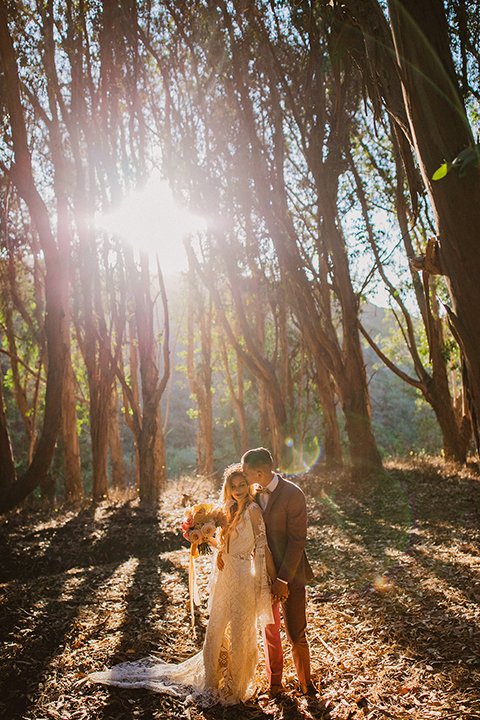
394, 614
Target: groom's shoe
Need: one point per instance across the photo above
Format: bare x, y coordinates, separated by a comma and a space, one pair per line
274, 691
309, 691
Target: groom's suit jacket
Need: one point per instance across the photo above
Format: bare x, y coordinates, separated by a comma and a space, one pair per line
285, 518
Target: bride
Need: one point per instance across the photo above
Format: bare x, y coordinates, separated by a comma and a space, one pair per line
240, 598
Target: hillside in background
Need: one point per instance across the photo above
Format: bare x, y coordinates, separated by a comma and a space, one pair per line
403, 422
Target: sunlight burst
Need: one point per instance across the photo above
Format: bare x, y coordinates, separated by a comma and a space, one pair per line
152, 221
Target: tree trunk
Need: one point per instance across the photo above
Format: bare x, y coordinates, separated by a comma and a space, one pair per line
148, 471
7, 462
71, 444
22, 175
19, 390
131, 400
115, 443
237, 397
456, 431
242, 417
146, 422
200, 376
266, 438
160, 453
326, 394
441, 131
99, 412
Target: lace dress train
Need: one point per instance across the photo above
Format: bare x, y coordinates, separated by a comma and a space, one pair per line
224, 669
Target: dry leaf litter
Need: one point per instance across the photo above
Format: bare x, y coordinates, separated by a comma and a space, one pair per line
394, 611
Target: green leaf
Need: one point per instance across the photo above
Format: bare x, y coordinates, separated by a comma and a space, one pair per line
441, 172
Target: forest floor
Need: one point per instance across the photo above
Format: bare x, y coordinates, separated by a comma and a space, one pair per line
394, 610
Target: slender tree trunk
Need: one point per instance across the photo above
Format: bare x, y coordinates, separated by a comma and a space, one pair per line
237, 397
456, 432
348, 366
200, 377
22, 175
7, 462
132, 407
326, 393
266, 439
242, 416
99, 412
71, 443
148, 471
115, 443
206, 399
19, 391
146, 422
160, 453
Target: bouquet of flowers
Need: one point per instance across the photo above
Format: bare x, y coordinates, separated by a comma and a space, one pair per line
199, 525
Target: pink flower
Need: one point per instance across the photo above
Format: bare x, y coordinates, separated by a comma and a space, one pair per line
187, 524
208, 530
194, 536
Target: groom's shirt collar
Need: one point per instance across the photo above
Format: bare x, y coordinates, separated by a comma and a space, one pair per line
273, 483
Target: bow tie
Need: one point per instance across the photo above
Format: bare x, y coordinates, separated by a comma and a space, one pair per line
261, 489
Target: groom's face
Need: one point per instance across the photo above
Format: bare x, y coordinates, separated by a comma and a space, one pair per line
257, 476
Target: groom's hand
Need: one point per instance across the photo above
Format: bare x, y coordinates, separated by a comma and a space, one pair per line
280, 591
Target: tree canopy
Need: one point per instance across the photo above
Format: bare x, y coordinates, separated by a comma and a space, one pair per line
330, 148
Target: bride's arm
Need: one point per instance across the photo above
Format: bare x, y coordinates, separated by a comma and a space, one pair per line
261, 537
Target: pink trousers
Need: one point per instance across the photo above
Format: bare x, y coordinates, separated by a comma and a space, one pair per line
294, 616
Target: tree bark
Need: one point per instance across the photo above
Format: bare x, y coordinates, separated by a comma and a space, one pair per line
21, 174
146, 421
237, 396
326, 393
160, 453
200, 375
71, 443
99, 411
115, 444
7, 462
440, 132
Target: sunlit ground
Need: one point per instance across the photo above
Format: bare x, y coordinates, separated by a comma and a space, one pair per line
394, 610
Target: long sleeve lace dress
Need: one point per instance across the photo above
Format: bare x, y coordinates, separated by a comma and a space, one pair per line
240, 599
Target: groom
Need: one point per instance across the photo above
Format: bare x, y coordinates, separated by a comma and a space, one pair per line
285, 515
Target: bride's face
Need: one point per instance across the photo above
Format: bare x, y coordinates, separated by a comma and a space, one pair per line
239, 487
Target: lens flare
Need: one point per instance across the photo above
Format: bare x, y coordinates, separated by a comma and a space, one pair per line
300, 460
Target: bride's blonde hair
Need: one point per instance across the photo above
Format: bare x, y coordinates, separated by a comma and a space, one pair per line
232, 510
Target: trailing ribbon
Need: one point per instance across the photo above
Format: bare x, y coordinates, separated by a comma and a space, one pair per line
192, 582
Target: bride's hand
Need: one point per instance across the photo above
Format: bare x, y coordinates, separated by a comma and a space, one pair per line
220, 561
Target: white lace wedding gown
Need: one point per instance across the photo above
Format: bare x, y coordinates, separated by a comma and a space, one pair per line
223, 670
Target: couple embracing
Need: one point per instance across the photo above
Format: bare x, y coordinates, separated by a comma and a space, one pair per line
260, 565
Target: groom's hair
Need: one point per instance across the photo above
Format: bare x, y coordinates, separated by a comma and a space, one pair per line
258, 458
